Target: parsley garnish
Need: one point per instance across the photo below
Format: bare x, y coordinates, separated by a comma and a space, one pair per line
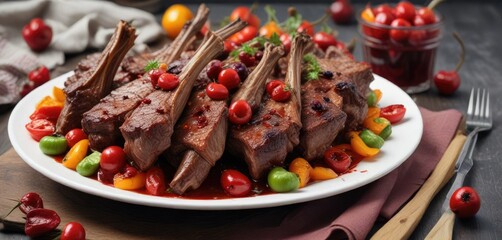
313, 68
151, 65
275, 39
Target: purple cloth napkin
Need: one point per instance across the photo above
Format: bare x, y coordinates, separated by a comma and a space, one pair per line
351, 215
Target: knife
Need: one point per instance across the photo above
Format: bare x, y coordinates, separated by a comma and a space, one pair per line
401, 226
444, 227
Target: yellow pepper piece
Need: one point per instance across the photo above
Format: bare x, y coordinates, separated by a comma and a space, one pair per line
373, 112
59, 94
302, 168
378, 94
131, 183
375, 127
48, 101
322, 173
360, 147
368, 15
76, 154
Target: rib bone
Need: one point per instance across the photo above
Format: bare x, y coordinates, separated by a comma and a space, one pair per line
83, 94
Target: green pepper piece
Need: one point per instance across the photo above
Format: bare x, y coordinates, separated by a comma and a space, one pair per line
370, 139
371, 99
387, 131
53, 145
280, 180
89, 165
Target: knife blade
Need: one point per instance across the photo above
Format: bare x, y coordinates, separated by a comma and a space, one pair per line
464, 166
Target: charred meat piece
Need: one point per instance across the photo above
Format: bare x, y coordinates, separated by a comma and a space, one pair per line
327, 112
354, 104
200, 134
322, 117
358, 73
95, 83
275, 129
102, 122
148, 130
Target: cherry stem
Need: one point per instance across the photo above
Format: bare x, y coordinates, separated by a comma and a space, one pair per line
271, 14
462, 53
320, 20
434, 3
352, 45
253, 7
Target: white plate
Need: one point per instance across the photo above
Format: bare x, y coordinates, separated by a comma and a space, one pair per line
405, 137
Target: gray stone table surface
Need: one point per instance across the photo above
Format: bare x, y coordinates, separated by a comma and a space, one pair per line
479, 24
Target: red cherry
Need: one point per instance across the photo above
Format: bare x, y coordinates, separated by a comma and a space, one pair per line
324, 40
168, 81
384, 18
214, 69
73, 231
240, 112
39, 76
447, 82
385, 8
341, 11
427, 15
281, 93
337, 159
37, 34
272, 85
216, 91
229, 78
306, 27
154, 75
112, 159
465, 202
418, 21
405, 10
399, 35
247, 59
286, 41
235, 183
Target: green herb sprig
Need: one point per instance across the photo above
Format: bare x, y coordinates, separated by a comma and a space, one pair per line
313, 68
151, 65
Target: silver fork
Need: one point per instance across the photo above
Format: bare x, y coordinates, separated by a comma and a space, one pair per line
479, 118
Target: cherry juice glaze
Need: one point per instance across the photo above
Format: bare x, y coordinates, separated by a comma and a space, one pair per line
211, 188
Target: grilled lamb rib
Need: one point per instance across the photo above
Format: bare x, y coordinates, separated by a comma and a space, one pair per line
329, 111
200, 134
102, 122
96, 83
148, 130
274, 130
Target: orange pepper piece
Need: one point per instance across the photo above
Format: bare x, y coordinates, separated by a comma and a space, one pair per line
360, 147
48, 101
137, 181
76, 154
59, 94
375, 127
302, 168
368, 15
378, 94
322, 173
373, 112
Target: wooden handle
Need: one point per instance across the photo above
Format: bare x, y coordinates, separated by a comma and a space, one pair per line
443, 230
404, 222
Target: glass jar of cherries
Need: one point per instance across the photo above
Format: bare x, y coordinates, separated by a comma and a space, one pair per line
400, 42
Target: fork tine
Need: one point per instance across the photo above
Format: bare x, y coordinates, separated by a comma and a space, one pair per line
488, 113
476, 108
470, 108
482, 107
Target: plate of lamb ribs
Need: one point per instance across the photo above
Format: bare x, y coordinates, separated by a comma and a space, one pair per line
190, 133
